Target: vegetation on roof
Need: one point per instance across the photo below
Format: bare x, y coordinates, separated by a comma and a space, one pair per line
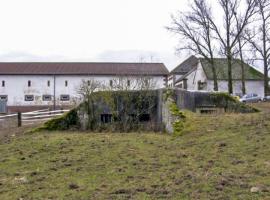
222, 70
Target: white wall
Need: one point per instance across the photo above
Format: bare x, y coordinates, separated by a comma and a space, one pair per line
256, 87
194, 77
16, 87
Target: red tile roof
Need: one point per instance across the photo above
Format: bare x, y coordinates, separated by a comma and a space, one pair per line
81, 68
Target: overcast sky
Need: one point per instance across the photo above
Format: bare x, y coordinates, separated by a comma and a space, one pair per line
88, 30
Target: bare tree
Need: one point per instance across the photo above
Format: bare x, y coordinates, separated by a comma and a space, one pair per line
87, 90
242, 42
195, 27
133, 97
259, 39
229, 36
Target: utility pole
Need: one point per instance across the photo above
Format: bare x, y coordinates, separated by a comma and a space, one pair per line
54, 93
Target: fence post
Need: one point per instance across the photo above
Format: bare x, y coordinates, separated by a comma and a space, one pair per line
19, 119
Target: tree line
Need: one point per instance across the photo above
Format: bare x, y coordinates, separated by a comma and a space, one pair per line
243, 32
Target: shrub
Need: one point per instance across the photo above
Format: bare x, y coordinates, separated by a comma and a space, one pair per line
64, 122
178, 124
230, 103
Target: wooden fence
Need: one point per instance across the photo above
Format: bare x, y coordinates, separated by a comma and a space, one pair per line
30, 117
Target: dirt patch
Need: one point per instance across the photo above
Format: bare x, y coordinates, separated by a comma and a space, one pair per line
12, 129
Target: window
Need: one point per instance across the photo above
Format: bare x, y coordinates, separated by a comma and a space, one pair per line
3, 97
201, 85
48, 83
66, 83
144, 118
106, 118
29, 83
128, 82
88, 83
64, 97
185, 84
132, 117
3, 84
29, 97
47, 97
111, 83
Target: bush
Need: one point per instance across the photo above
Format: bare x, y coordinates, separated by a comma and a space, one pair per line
64, 122
178, 124
230, 103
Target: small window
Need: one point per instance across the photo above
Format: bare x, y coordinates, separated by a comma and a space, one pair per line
3, 97
29, 97
48, 83
185, 84
106, 118
3, 83
66, 83
111, 83
144, 118
128, 82
201, 85
88, 83
64, 97
47, 97
29, 83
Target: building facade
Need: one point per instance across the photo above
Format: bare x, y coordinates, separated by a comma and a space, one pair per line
30, 86
196, 74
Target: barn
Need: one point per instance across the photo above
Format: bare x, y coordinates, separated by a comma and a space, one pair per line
196, 74
26, 86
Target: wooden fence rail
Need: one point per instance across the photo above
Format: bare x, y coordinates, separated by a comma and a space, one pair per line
33, 117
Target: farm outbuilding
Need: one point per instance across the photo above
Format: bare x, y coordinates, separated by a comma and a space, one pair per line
32, 86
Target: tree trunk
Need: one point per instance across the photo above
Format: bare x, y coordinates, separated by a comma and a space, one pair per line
265, 64
214, 76
243, 78
266, 79
230, 83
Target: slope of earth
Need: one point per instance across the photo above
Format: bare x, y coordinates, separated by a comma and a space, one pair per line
217, 157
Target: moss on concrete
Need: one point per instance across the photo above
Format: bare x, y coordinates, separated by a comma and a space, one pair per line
178, 124
231, 104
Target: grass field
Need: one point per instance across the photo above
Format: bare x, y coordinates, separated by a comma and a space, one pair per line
218, 157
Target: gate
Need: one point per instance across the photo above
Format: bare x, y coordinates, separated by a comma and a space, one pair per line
3, 106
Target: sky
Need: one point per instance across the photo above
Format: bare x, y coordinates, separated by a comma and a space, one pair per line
89, 30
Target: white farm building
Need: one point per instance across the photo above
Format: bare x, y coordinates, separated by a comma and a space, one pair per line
196, 74
31, 86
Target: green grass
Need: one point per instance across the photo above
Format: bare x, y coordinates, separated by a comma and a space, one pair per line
217, 157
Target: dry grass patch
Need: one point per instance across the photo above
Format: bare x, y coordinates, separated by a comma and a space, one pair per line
217, 157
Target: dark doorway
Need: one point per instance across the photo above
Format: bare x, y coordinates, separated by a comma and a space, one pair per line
106, 118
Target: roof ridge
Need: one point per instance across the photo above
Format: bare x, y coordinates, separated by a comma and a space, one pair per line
83, 68
81, 62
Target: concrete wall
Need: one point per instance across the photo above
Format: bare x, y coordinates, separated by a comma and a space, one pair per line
158, 108
16, 87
